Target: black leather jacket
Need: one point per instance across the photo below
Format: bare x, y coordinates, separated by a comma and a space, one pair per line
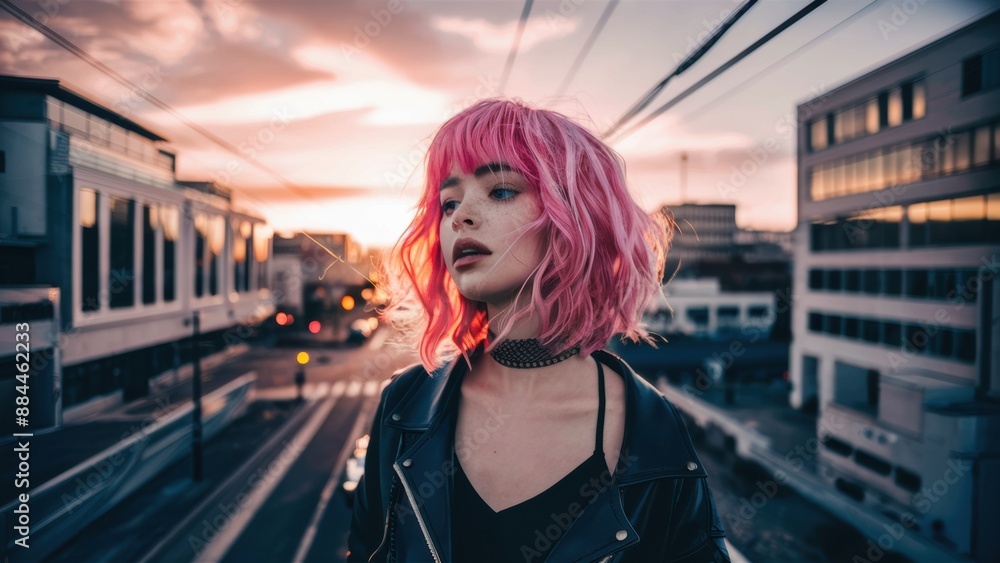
657, 507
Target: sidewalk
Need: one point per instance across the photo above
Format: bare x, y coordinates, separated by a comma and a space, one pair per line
760, 427
54, 451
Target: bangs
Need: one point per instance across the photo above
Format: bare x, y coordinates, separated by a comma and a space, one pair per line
483, 135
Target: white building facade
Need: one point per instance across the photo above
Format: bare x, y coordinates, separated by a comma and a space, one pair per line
895, 292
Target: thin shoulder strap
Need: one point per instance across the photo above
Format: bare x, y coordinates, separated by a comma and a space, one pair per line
599, 447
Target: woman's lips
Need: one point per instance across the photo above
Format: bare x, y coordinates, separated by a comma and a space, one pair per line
470, 259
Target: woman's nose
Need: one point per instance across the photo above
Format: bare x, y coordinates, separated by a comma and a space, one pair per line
463, 215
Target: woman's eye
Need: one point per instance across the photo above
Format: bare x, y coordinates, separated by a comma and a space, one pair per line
448, 206
503, 193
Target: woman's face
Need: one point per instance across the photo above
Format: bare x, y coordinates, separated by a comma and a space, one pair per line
483, 229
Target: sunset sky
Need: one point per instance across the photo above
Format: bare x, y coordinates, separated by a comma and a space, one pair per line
341, 97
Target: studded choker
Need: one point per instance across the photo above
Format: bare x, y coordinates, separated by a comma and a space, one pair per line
528, 353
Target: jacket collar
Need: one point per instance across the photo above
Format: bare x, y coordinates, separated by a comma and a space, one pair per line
655, 445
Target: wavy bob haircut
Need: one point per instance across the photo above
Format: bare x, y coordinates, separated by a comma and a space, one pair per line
604, 256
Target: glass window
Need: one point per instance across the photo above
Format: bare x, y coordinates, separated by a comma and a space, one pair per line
851, 327
200, 237
871, 116
119, 141
873, 281
852, 280
963, 149
150, 223
74, 119
993, 217
895, 109
698, 315
816, 181
54, 109
870, 330
939, 222
943, 344
89, 250
965, 345
876, 178
996, 141
917, 338
916, 283
981, 146
135, 145
816, 322
170, 222
945, 284
833, 280
919, 99
893, 282
889, 167
121, 278
838, 127
833, 325
891, 334
815, 279
817, 134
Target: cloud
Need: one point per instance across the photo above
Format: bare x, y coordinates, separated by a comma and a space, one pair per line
168, 31
498, 38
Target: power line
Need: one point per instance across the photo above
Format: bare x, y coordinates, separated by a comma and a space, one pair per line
725, 66
525, 12
89, 59
575, 67
758, 75
684, 65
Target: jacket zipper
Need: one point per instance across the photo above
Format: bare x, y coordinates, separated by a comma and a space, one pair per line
605, 560
420, 520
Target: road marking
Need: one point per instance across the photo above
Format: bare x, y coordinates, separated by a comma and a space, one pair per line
328, 490
371, 388
338, 388
220, 545
353, 389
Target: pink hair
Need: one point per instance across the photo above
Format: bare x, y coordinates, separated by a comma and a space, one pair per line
604, 255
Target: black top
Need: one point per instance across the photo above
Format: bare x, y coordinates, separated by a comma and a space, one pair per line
529, 530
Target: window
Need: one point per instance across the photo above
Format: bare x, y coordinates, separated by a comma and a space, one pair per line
919, 99
962, 148
698, 315
873, 281
817, 134
870, 330
150, 222
756, 311
833, 281
891, 334
74, 120
170, 222
200, 228
121, 277
852, 281
851, 326
916, 283
3, 162
893, 282
89, 250
816, 322
895, 108
981, 146
981, 72
871, 116
815, 279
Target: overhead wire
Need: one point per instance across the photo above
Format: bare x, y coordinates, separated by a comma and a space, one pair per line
703, 48
587, 46
525, 12
724, 67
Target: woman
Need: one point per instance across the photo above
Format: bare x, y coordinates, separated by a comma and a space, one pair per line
517, 438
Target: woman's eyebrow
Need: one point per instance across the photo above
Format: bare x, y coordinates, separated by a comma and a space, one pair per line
491, 168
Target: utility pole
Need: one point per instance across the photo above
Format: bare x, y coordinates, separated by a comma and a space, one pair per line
196, 399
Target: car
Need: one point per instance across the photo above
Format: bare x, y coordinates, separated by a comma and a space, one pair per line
359, 331
354, 469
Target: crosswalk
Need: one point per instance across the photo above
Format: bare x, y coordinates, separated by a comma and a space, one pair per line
321, 390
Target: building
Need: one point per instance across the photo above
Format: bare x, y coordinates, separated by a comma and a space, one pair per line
703, 232
91, 213
896, 297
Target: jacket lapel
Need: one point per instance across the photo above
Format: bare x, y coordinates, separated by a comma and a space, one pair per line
654, 446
